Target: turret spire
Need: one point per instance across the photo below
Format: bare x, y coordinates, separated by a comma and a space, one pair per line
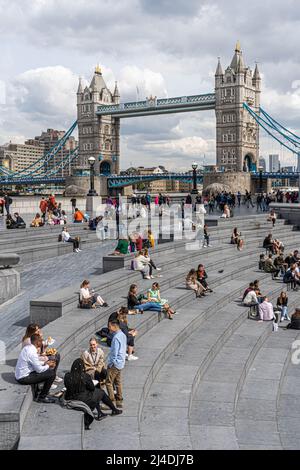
219, 70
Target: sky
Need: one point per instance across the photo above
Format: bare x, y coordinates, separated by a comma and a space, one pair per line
160, 47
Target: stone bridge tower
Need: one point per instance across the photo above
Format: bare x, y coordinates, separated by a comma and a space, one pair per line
99, 136
237, 132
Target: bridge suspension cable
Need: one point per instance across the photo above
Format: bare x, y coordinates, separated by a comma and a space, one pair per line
41, 162
270, 129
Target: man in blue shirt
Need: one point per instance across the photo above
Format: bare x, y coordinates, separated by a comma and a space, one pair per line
116, 362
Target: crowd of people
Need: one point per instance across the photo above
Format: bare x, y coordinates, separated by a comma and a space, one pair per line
95, 378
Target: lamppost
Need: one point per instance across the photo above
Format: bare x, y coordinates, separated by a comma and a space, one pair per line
260, 169
92, 191
195, 166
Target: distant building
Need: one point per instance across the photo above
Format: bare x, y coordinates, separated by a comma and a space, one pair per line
56, 164
262, 164
18, 157
287, 169
274, 164
159, 186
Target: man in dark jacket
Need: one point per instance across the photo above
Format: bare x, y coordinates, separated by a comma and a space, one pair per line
7, 202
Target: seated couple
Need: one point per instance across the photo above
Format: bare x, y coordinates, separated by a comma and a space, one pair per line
152, 302
15, 223
88, 298
197, 281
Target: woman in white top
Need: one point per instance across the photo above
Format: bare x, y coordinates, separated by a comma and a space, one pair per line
226, 212
141, 263
251, 298
89, 297
66, 238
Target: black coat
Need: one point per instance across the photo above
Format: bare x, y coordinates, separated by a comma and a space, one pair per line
87, 391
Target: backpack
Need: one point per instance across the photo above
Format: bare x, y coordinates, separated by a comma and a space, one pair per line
60, 237
288, 277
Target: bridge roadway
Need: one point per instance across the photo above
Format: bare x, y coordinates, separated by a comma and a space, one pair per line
161, 389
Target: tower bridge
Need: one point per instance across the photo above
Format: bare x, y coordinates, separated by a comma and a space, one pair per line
239, 117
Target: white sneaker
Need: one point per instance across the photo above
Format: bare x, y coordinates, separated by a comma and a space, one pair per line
76, 251
53, 387
79, 249
58, 380
132, 358
152, 277
147, 277
126, 355
158, 269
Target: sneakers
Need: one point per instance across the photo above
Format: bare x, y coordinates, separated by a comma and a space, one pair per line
53, 387
147, 277
79, 250
58, 380
46, 400
76, 251
116, 412
158, 269
132, 358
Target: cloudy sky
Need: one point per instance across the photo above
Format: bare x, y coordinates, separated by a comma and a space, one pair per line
163, 47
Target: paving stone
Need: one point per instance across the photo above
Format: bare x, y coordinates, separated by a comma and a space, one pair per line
167, 419
54, 442
178, 374
208, 413
291, 385
254, 409
169, 395
289, 425
289, 406
260, 389
214, 437
259, 447
263, 370
290, 441
257, 432
165, 442
216, 391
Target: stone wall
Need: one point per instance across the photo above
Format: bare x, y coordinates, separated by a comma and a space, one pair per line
235, 181
30, 204
9, 284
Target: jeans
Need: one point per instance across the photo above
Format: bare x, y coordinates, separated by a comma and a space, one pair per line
75, 243
284, 312
34, 378
149, 306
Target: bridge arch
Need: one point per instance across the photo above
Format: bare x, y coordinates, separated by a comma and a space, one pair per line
105, 168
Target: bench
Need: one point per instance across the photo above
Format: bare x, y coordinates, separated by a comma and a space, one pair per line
9, 259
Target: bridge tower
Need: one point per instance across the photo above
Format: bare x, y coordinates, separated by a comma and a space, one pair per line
237, 132
99, 136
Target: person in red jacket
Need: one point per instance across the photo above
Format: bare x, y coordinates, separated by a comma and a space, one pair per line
43, 208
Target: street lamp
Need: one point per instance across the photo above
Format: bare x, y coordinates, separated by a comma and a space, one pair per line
92, 191
195, 166
260, 169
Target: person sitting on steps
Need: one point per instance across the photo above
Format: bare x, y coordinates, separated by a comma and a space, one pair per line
202, 277
270, 268
80, 387
192, 283
94, 363
139, 303
30, 371
66, 238
154, 296
265, 310
89, 297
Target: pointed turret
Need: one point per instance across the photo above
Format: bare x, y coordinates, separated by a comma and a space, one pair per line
97, 83
219, 71
80, 87
256, 75
116, 95
237, 55
240, 65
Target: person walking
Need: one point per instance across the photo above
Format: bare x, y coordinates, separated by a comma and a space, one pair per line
74, 203
7, 203
116, 363
43, 208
